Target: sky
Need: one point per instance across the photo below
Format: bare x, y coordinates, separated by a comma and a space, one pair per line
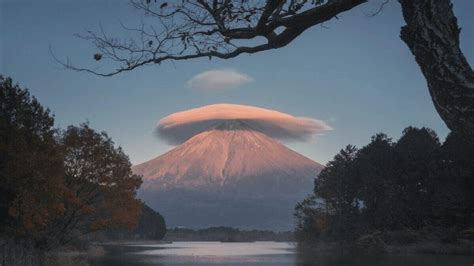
354, 73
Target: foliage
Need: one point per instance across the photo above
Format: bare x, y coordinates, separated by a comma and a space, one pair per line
31, 182
455, 202
385, 186
101, 186
340, 194
312, 218
151, 226
57, 185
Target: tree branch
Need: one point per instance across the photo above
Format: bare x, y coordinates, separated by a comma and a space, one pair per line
432, 34
196, 29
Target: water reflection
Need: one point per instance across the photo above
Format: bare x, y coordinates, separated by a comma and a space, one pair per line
255, 253
219, 249
199, 253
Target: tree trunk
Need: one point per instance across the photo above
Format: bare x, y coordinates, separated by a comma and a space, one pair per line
432, 34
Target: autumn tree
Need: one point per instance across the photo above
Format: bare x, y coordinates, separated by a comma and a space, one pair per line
31, 181
101, 190
56, 185
182, 30
151, 226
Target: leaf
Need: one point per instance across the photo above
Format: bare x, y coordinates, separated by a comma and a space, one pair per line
97, 57
165, 4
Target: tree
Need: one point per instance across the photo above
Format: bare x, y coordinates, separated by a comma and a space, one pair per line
151, 225
432, 34
312, 219
101, 186
393, 191
376, 163
333, 211
31, 166
417, 152
57, 185
454, 200
219, 28
339, 186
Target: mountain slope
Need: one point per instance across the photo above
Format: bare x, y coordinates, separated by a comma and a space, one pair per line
226, 156
230, 175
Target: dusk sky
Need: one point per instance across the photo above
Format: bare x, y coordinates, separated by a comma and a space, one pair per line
355, 74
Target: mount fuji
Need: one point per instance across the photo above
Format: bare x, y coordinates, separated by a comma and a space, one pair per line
228, 175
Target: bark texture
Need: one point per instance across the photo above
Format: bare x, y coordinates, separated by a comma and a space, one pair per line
432, 34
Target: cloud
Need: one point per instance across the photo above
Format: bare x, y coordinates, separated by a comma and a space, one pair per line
179, 127
218, 79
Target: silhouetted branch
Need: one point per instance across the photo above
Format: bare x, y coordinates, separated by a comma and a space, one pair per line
382, 5
218, 28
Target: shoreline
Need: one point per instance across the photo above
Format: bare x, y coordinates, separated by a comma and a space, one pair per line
461, 248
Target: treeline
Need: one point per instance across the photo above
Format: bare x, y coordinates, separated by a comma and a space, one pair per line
58, 184
225, 234
151, 226
415, 185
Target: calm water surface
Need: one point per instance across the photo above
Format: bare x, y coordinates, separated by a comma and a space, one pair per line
199, 253
253, 253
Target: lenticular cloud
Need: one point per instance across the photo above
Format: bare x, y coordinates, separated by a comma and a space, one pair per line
179, 127
218, 79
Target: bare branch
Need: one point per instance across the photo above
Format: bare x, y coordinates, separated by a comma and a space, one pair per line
376, 12
193, 29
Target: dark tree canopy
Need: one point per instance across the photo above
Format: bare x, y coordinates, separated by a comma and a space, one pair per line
151, 226
182, 30
31, 182
415, 184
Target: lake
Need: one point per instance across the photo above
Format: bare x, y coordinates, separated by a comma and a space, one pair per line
250, 253
198, 253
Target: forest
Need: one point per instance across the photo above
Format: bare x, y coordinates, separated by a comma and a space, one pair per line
59, 186
412, 190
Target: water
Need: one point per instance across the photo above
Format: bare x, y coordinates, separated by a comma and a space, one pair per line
251, 253
199, 253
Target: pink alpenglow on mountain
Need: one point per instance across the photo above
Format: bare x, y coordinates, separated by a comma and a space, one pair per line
231, 173
224, 156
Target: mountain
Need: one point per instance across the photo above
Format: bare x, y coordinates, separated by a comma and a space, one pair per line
230, 175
